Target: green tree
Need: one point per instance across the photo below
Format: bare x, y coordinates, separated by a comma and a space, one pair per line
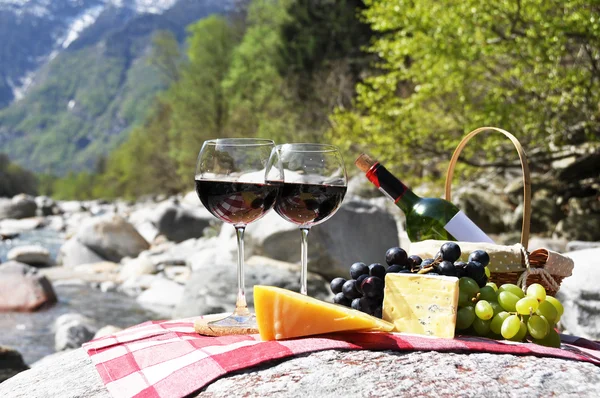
254, 84
165, 55
199, 105
14, 179
529, 66
142, 165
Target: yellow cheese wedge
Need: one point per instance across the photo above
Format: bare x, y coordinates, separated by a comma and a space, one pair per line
283, 314
421, 304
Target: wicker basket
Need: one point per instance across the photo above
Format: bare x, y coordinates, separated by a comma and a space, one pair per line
540, 266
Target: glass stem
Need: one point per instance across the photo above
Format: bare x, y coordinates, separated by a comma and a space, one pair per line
304, 261
241, 308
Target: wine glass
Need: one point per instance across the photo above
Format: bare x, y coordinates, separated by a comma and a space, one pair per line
230, 182
314, 185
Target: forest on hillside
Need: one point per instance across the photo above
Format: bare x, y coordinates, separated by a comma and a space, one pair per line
402, 80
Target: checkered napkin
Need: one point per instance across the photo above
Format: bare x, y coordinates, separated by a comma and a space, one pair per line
168, 359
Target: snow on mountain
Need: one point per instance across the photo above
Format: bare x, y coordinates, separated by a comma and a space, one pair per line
62, 21
78, 24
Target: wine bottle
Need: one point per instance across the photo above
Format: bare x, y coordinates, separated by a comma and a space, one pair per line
426, 218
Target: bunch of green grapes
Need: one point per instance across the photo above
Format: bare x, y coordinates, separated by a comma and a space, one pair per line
506, 312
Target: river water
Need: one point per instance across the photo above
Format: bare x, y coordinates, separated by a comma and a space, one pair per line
32, 334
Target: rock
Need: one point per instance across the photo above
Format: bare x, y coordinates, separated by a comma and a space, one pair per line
108, 286
72, 330
212, 288
20, 206
178, 274
217, 250
56, 223
579, 227
32, 254
103, 267
11, 363
391, 374
73, 253
360, 186
179, 223
359, 231
50, 358
136, 267
490, 212
162, 295
70, 375
106, 330
22, 288
134, 286
71, 206
143, 220
581, 245
22, 225
580, 295
557, 245
332, 373
191, 199
46, 206
112, 238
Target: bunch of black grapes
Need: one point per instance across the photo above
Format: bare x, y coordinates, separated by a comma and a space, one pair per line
365, 288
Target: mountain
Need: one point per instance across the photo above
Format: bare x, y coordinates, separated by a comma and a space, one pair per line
74, 74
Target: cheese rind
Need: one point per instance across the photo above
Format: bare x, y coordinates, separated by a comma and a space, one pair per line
421, 304
283, 314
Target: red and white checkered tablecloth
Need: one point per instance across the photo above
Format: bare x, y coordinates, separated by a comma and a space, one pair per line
169, 359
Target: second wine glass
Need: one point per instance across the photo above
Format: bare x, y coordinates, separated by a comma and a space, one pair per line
314, 185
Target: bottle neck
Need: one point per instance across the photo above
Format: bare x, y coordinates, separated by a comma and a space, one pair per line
392, 187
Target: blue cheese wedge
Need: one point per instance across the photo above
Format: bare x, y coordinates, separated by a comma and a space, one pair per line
421, 304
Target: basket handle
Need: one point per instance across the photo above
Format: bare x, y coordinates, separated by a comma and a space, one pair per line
524, 166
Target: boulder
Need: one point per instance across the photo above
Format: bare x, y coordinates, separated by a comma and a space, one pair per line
108, 286
359, 231
579, 227
392, 374
333, 373
46, 206
162, 296
580, 295
191, 199
135, 267
103, 267
31, 254
177, 273
73, 253
581, 245
217, 250
178, 222
22, 288
11, 363
135, 285
489, 211
71, 206
142, 218
106, 330
112, 237
22, 225
20, 206
212, 288
56, 223
557, 245
72, 330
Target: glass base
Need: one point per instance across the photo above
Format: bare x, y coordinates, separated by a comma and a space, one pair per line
236, 321
230, 325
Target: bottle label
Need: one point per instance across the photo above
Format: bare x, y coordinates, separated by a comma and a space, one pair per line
465, 230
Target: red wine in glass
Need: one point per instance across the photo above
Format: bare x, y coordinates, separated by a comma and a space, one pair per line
236, 202
308, 204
